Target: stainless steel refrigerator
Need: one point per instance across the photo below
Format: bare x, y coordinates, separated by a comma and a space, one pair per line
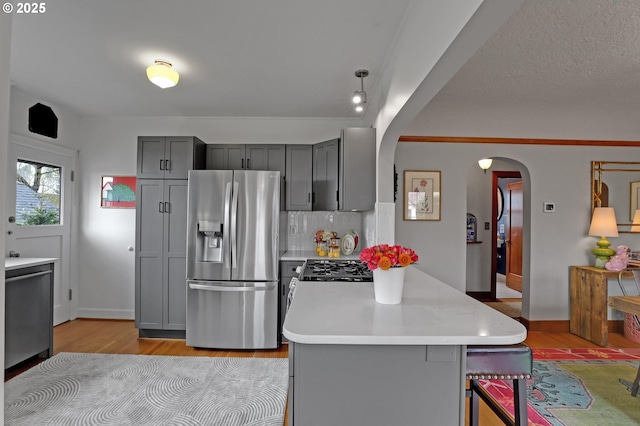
233, 231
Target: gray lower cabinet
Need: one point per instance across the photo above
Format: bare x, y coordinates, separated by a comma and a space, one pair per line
160, 276
28, 314
299, 177
288, 270
364, 385
169, 157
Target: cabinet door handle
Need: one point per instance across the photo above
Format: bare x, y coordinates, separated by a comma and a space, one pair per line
242, 163
160, 207
167, 207
161, 164
248, 164
167, 164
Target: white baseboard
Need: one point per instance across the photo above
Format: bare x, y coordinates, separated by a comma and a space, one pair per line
106, 313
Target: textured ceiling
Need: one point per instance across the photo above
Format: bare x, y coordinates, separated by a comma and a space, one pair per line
559, 54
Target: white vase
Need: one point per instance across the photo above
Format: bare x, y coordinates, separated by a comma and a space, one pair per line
388, 285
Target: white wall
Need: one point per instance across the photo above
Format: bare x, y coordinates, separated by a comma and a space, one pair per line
106, 271
68, 122
5, 56
560, 174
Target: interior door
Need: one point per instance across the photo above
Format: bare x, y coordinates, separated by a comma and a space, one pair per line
33, 229
514, 237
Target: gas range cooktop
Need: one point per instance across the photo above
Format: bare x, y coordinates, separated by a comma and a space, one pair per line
336, 270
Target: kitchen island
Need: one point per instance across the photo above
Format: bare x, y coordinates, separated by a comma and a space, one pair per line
357, 362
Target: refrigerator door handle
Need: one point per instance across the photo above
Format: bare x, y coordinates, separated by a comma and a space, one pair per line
234, 225
253, 288
226, 255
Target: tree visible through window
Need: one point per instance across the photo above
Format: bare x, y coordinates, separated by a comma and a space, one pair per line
37, 193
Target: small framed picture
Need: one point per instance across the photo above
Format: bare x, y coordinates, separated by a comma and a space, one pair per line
634, 196
118, 192
422, 194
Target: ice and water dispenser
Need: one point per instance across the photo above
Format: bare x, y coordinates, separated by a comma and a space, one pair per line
209, 241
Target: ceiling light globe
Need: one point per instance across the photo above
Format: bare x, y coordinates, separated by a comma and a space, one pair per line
359, 108
162, 75
357, 97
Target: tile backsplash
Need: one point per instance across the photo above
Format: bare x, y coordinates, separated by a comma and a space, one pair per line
302, 227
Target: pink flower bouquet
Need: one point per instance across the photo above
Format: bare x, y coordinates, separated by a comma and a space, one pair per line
385, 256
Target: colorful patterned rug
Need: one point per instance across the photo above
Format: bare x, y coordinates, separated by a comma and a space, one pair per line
577, 387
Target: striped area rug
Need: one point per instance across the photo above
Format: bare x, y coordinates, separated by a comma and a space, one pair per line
101, 389
510, 309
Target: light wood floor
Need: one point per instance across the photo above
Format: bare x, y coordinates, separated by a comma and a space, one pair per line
121, 337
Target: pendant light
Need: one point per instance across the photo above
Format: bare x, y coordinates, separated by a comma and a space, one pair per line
360, 96
162, 74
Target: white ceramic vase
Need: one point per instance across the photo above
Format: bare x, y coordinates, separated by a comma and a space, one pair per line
388, 285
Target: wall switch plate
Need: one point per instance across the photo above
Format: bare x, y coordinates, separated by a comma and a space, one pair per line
549, 207
487, 225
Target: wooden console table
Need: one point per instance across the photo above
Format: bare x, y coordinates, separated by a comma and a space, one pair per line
589, 293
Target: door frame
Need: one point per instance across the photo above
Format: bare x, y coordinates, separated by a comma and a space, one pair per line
496, 175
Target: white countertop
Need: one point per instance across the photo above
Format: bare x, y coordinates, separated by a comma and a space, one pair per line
311, 254
431, 313
11, 263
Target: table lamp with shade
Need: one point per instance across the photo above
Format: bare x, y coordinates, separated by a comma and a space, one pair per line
603, 224
635, 226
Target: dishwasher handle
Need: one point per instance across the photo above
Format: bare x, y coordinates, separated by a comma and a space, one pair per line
260, 286
24, 277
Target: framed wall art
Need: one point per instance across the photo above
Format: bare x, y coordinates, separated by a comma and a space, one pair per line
422, 194
118, 192
634, 196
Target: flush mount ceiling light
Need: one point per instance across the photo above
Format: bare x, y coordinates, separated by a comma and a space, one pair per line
360, 97
485, 163
162, 74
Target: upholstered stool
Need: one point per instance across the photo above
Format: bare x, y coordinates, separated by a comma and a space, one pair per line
504, 363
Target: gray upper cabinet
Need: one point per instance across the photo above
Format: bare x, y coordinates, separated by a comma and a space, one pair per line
357, 169
325, 175
299, 177
344, 171
169, 157
246, 157
225, 157
266, 157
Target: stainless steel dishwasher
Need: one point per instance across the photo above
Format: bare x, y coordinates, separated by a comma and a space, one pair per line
28, 313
